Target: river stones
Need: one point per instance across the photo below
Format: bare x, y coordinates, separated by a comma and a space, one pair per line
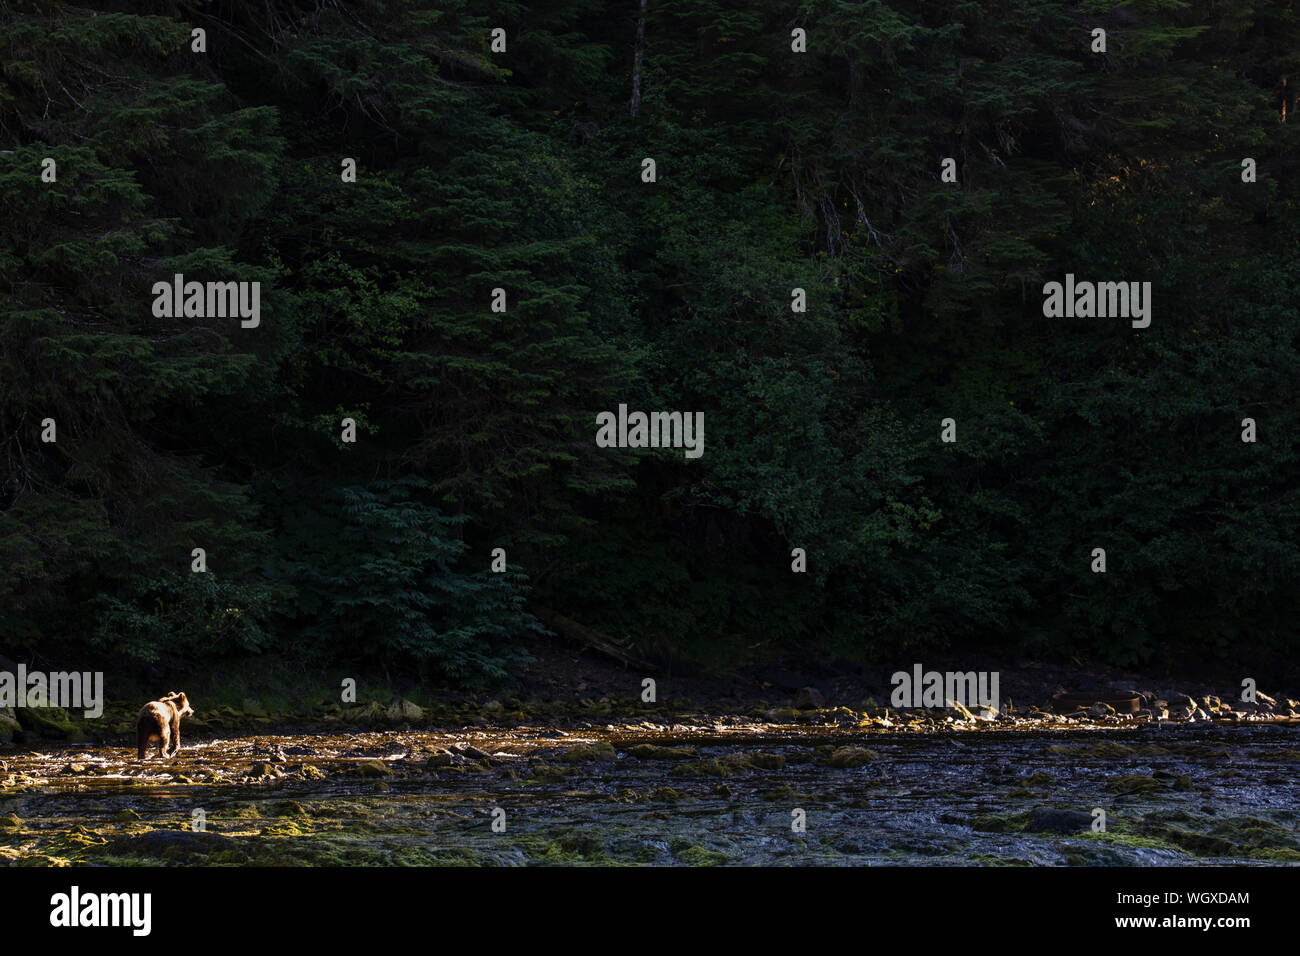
373, 768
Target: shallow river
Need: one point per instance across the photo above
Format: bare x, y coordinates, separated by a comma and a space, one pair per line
715, 794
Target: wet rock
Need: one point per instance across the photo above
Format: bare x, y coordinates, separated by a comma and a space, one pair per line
75, 768
1049, 820
439, 758
401, 709
309, 772
373, 768
846, 757
366, 713
10, 822
262, 768
469, 750
125, 815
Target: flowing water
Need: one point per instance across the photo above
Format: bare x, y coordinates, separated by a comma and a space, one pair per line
715, 793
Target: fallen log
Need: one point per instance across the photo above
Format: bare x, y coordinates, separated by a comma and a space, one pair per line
609, 646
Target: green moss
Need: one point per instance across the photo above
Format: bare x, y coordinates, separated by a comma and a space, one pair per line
695, 855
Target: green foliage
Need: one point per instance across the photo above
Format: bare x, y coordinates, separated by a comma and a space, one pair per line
376, 579
776, 171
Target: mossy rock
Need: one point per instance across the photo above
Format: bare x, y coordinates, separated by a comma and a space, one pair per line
711, 767
373, 768
125, 815
754, 761
695, 855
547, 773
178, 846
588, 752
10, 822
992, 823
440, 758
655, 752
1255, 833
1133, 783
846, 757
49, 722
581, 845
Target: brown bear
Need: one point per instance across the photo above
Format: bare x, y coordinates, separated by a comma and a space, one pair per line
160, 720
